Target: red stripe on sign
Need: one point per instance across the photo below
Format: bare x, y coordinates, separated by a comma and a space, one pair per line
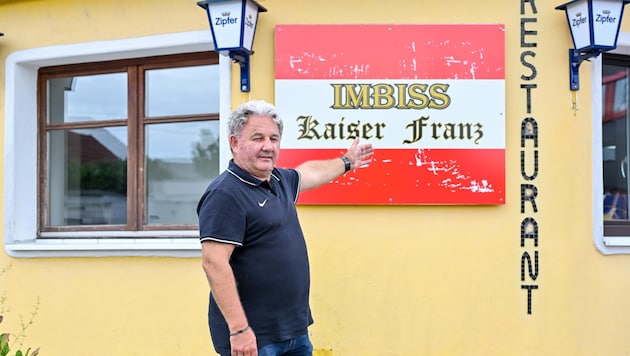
390, 51
406, 176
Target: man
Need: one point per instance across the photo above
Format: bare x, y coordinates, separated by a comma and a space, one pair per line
253, 250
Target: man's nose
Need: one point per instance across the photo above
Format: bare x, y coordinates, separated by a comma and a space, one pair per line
267, 144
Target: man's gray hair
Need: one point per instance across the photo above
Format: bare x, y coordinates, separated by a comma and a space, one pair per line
238, 118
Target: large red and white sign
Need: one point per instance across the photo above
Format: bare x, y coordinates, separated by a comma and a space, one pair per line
430, 98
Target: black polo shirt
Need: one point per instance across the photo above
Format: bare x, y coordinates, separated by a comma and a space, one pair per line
270, 261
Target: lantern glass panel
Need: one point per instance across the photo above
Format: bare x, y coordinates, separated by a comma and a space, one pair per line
606, 16
249, 28
226, 19
579, 23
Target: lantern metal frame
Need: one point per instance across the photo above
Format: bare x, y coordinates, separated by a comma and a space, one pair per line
595, 21
245, 21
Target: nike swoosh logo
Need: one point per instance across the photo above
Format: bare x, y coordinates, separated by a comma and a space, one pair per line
262, 203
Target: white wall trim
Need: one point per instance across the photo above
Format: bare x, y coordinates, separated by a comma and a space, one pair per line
20, 144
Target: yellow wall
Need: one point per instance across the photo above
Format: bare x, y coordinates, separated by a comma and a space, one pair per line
416, 280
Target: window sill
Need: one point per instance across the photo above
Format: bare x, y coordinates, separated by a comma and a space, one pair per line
617, 241
181, 246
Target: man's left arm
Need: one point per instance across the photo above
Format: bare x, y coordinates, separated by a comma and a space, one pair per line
317, 172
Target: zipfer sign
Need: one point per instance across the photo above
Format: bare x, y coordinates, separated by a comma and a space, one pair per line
430, 98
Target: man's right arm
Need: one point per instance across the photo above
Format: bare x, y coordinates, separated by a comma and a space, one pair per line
216, 264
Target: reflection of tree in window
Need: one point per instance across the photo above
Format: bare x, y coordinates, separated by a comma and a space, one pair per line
204, 152
96, 182
159, 169
107, 176
91, 166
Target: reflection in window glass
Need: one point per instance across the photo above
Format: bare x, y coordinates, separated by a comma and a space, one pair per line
87, 176
182, 91
87, 98
621, 95
615, 142
181, 159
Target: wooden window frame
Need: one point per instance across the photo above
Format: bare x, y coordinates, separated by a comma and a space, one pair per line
135, 124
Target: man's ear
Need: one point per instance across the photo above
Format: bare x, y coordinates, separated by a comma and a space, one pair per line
233, 142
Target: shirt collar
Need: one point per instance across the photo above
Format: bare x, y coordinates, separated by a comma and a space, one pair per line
247, 178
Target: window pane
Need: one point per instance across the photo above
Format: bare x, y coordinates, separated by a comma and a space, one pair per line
615, 142
87, 176
87, 98
181, 159
182, 91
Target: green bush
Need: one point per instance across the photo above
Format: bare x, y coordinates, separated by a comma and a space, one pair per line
5, 344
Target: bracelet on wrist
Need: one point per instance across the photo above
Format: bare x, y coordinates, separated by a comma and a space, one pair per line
238, 332
347, 163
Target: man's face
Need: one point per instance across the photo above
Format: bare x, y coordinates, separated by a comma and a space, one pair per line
257, 147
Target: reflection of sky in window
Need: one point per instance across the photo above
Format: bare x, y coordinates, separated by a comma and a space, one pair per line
182, 91
97, 97
175, 141
171, 91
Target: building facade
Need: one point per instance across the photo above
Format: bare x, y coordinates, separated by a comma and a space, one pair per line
112, 125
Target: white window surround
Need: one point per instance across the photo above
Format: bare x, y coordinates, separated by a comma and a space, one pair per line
605, 244
20, 150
